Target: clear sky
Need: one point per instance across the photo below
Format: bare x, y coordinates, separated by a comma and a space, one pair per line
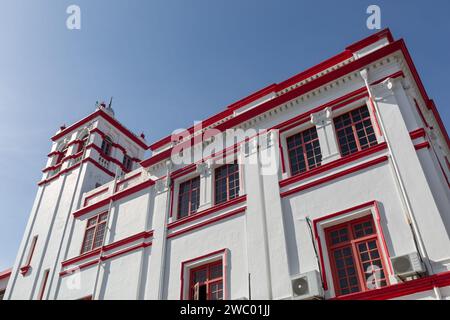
168, 63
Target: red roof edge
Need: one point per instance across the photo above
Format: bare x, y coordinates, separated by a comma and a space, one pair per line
385, 33
108, 118
287, 83
5, 273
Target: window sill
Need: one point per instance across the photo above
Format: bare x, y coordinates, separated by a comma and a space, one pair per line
332, 165
208, 211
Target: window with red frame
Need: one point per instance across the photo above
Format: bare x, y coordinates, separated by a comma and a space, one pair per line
226, 182
304, 151
95, 232
107, 145
127, 162
188, 197
206, 282
62, 154
356, 259
354, 131
83, 142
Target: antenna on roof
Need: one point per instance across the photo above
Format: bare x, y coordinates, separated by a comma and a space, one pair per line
110, 102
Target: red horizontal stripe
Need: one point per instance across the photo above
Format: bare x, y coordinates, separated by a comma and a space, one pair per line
402, 289
334, 164
335, 176
208, 222
206, 212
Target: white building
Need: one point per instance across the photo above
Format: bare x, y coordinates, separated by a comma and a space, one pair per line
357, 206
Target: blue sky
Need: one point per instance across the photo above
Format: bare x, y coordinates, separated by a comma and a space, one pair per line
168, 63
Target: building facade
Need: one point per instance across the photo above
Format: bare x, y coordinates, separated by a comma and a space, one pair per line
335, 185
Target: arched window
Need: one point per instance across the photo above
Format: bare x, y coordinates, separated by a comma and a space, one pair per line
62, 154
107, 145
83, 142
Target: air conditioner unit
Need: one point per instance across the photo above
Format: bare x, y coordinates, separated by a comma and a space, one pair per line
307, 286
407, 265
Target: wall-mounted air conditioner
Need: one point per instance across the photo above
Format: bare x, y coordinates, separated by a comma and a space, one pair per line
307, 286
407, 265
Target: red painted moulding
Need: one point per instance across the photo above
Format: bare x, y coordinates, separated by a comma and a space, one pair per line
369, 204
334, 164
206, 212
287, 83
385, 33
418, 133
5, 273
402, 289
422, 145
114, 197
207, 222
108, 118
141, 235
183, 266
264, 107
335, 176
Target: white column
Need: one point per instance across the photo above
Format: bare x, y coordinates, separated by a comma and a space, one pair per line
391, 98
204, 169
323, 120
257, 242
276, 233
155, 279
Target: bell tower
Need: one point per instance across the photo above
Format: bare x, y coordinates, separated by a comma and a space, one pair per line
83, 156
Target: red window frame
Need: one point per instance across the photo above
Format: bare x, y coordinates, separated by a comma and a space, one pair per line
62, 154
94, 233
354, 131
127, 162
191, 190
304, 149
83, 142
107, 145
209, 281
363, 247
231, 180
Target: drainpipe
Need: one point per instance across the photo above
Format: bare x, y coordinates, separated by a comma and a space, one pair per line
409, 212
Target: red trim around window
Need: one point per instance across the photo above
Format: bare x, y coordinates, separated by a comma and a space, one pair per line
353, 249
222, 255
94, 233
230, 177
188, 190
377, 218
297, 145
209, 281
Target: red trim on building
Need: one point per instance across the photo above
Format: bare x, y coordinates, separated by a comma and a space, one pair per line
111, 121
370, 204
97, 252
402, 289
385, 33
114, 197
334, 164
422, 145
418, 133
206, 212
5, 273
207, 222
335, 176
222, 252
